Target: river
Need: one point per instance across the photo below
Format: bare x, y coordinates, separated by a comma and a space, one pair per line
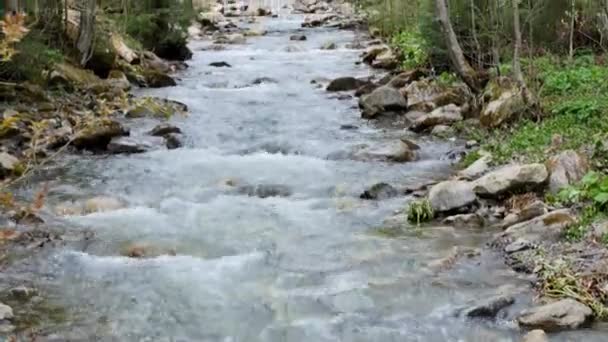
312, 265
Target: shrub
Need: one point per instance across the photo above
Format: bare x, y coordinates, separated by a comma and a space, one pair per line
420, 211
412, 47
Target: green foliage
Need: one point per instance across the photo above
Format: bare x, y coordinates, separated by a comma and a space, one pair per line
412, 47
420, 211
469, 159
34, 56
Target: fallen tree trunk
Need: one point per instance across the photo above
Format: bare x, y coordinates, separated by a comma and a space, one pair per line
123, 50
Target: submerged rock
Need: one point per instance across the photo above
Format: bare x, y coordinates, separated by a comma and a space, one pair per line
489, 307
265, 190
102, 204
158, 79
565, 314
379, 191
451, 195
345, 84
220, 65
173, 141
381, 100
511, 178
398, 151
298, 37
565, 169
329, 46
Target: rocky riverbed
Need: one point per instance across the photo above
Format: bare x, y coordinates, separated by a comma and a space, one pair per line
274, 210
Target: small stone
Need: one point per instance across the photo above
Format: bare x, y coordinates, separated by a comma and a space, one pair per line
443, 131
126, 145
265, 190
345, 84
518, 246
329, 46
220, 65
464, 221
172, 141
489, 308
348, 127
164, 129
102, 204
451, 195
379, 191
535, 336
6, 312
298, 37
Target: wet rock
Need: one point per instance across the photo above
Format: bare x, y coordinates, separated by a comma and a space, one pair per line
8, 164
164, 129
255, 33
263, 12
329, 46
464, 221
535, 336
348, 127
345, 84
173, 141
451, 195
410, 144
385, 60
158, 79
518, 246
477, 169
126, 145
489, 307
365, 89
399, 152
22, 292
414, 115
528, 212
565, 169
425, 95
234, 38
565, 314
102, 204
298, 37
292, 48
405, 78
264, 80
381, 100
69, 77
318, 20
265, 190
545, 228
98, 134
6, 312
379, 191
443, 131
503, 103
445, 115
118, 79
511, 178
373, 51
220, 65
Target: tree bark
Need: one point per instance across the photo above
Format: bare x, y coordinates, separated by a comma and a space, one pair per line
86, 31
459, 62
571, 38
517, 74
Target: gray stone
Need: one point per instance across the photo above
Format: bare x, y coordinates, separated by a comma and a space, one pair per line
265, 190
298, 37
379, 191
545, 228
508, 105
489, 307
518, 246
511, 178
565, 169
451, 195
445, 115
173, 141
443, 131
535, 336
164, 129
477, 169
562, 315
464, 221
126, 145
381, 100
6, 312
345, 84
398, 151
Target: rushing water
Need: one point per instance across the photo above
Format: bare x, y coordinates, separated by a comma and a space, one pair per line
310, 266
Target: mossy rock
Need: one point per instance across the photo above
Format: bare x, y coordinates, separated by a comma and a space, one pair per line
98, 133
158, 79
70, 77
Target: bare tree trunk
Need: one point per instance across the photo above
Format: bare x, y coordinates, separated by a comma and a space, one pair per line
86, 32
459, 62
474, 33
572, 17
517, 74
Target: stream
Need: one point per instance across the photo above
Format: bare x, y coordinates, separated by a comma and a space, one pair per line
310, 265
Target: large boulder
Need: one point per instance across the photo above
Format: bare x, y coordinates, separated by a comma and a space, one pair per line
503, 102
426, 95
345, 84
451, 195
98, 133
381, 100
446, 115
477, 169
511, 178
565, 314
565, 169
545, 228
70, 77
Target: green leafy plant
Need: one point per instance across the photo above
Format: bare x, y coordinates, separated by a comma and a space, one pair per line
420, 211
412, 47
